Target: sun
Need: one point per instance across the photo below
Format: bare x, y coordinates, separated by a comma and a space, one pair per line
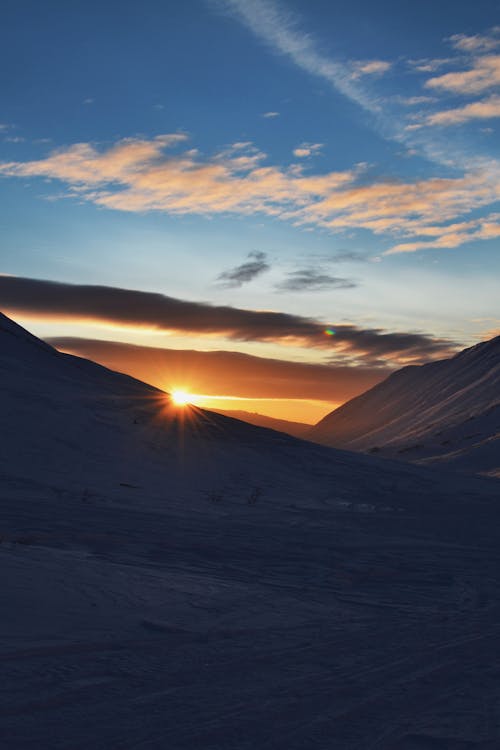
180, 398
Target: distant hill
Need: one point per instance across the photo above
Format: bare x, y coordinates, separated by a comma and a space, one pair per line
446, 412
297, 429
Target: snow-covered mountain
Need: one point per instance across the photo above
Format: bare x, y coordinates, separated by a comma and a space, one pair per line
77, 423
443, 412
178, 579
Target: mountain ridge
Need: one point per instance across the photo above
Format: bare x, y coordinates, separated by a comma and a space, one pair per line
406, 414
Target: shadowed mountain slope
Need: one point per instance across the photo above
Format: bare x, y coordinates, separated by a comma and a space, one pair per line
296, 429
446, 411
77, 422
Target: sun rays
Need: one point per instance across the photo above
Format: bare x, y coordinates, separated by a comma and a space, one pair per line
181, 398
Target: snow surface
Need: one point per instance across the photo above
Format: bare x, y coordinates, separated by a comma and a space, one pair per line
296, 429
446, 412
193, 582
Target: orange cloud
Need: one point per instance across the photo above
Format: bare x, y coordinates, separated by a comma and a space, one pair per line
484, 74
144, 175
307, 149
480, 110
371, 67
232, 181
406, 207
452, 235
41, 299
474, 42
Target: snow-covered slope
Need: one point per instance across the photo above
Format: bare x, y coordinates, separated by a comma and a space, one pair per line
447, 411
78, 423
296, 429
191, 581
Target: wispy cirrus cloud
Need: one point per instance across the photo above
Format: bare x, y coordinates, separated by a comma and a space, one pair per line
428, 64
476, 71
474, 43
41, 299
280, 29
370, 68
452, 235
413, 101
270, 115
254, 266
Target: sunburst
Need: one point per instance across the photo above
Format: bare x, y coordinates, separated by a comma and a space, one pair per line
181, 398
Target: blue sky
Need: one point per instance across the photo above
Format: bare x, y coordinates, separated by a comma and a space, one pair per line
347, 151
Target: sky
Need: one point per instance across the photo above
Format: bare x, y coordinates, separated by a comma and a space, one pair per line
271, 205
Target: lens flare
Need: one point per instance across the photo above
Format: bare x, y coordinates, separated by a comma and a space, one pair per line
329, 332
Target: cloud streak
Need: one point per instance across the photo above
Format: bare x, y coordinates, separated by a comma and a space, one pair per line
371, 67
137, 175
483, 74
42, 299
480, 110
272, 23
474, 43
279, 29
245, 272
312, 279
479, 71
453, 235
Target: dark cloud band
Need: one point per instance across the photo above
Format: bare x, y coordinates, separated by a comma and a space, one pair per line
242, 274
310, 279
127, 307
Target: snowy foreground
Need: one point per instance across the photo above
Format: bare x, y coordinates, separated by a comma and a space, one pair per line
179, 580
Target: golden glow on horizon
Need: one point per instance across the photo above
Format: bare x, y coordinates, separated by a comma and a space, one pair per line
181, 398
184, 372
304, 410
